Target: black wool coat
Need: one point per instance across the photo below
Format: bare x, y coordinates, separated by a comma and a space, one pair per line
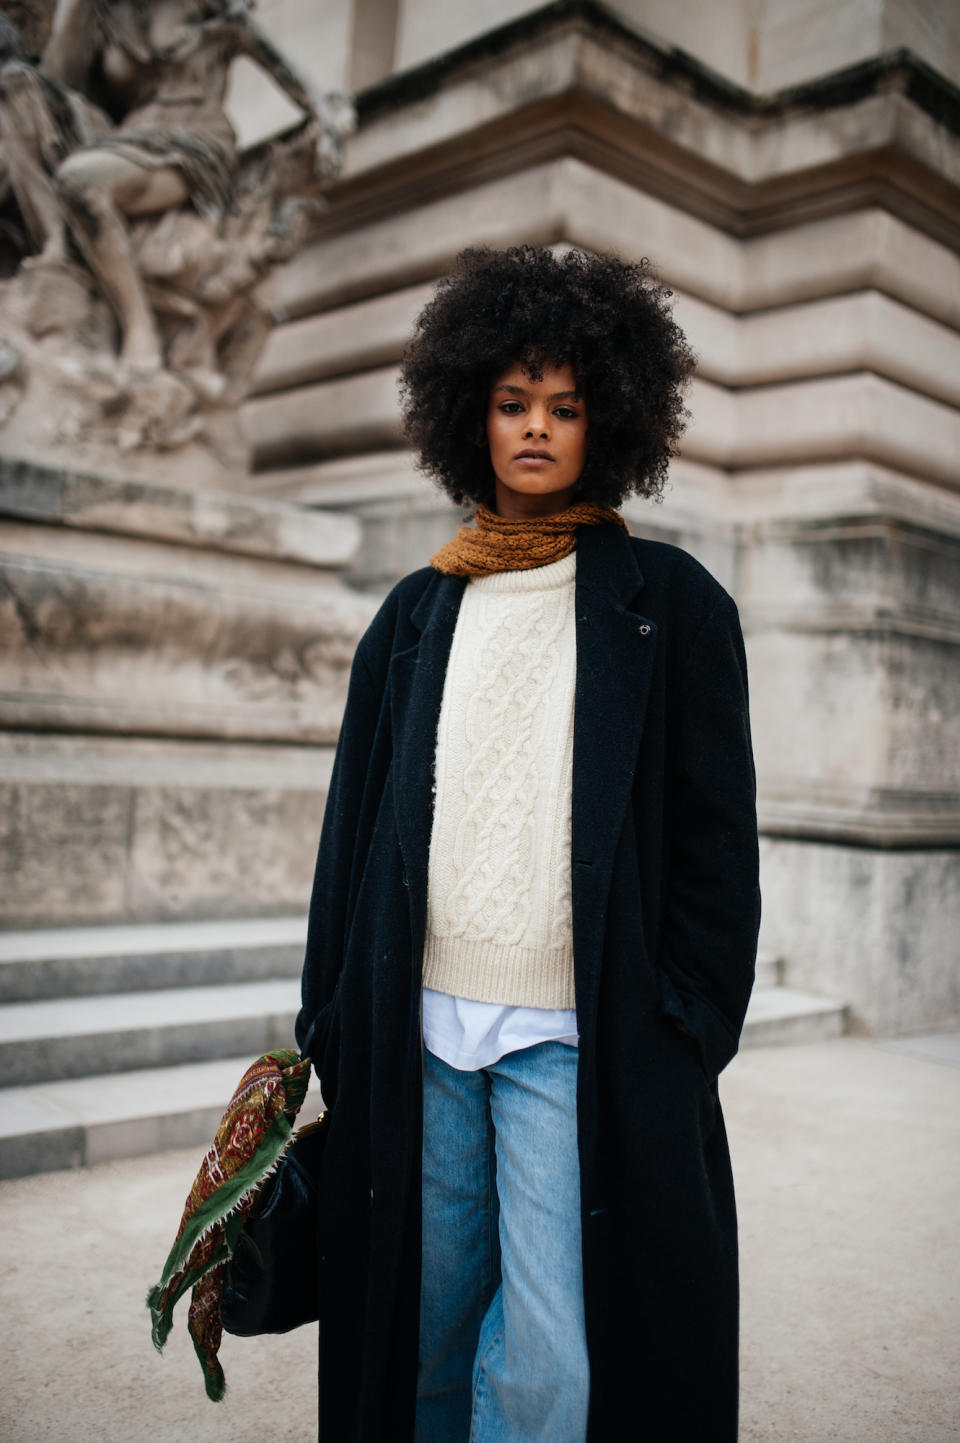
665, 918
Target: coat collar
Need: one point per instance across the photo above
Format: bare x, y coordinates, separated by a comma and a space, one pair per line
615, 651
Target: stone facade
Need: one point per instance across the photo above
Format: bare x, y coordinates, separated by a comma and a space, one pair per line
811, 237
175, 662
174, 671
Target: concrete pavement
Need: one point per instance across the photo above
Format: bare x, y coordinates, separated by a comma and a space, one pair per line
847, 1160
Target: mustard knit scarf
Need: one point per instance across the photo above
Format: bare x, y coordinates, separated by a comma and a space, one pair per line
498, 544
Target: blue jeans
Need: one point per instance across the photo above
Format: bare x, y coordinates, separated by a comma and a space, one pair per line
503, 1356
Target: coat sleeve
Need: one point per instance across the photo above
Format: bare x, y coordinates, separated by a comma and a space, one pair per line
355, 786
712, 893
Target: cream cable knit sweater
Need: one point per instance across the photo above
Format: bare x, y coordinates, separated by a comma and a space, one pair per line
499, 926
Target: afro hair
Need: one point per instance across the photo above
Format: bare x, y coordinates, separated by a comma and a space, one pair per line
606, 318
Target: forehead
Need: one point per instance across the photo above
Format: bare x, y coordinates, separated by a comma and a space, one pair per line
551, 379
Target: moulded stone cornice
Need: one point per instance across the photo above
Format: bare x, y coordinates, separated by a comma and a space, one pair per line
55, 759
92, 649
852, 574
130, 609
348, 480
696, 501
369, 333
864, 331
213, 521
352, 413
568, 82
567, 201
109, 554
869, 618
880, 523
928, 88
783, 501
697, 491
868, 817
820, 419
393, 251
809, 506
825, 419
865, 249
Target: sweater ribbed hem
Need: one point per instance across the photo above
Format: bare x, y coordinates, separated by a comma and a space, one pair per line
500, 972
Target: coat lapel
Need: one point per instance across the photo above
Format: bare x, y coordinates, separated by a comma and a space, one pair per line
416, 691
615, 652
616, 646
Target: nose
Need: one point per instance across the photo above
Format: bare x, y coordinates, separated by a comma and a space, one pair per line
537, 424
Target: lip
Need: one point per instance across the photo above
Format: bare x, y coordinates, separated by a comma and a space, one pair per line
533, 456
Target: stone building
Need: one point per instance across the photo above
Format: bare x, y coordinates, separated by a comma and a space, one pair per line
792, 169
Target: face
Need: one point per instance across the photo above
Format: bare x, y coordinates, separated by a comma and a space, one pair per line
537, 433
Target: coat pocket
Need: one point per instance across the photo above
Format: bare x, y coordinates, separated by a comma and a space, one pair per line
699, 1023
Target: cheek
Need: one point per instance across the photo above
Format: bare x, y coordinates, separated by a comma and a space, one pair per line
580, 447
496, 433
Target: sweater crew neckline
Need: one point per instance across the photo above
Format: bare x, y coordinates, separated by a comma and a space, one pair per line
535, 578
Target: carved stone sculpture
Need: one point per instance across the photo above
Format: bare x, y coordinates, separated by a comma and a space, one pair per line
134, 236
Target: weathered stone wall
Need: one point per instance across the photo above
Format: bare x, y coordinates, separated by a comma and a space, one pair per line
762, 44
812, 242
174, 672
174, 666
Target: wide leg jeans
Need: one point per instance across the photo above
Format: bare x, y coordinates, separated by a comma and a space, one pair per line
503, 1354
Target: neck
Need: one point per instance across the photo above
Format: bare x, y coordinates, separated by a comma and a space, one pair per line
521, 506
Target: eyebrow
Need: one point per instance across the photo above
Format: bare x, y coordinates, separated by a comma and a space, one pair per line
557, 395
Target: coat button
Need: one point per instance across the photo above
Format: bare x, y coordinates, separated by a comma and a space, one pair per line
644, 629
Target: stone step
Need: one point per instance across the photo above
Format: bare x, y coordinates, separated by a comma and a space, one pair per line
121, 1032
83, 961
77, 1123
786, 1014
158, 1095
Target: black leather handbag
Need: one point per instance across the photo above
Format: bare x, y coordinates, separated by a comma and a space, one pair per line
271, 1280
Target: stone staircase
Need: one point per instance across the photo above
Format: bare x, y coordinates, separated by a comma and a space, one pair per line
123, 1040
117, 1041
778, 1013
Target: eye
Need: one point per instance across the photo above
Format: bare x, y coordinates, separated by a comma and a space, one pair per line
510, 408
566, 413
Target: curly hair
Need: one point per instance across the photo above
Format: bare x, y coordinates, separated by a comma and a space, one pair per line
604, 317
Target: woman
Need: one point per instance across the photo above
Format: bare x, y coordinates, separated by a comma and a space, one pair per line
534, 918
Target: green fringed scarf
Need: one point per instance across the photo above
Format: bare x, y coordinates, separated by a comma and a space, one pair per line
252, 1136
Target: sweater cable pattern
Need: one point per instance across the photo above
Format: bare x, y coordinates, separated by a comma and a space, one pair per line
499, 897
